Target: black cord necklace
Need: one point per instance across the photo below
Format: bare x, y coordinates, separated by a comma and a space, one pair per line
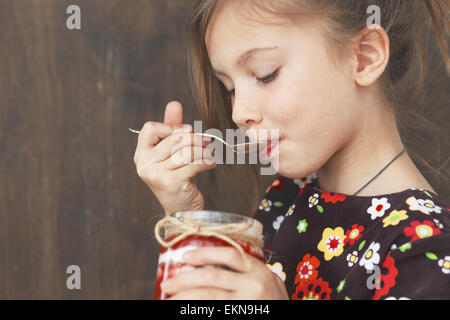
396, 157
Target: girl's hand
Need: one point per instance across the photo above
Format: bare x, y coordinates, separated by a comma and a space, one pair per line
167, 159
259, 283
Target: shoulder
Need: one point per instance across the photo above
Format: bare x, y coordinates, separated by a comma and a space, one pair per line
418, 215
408, 238
407, 216
419, 207
418, 260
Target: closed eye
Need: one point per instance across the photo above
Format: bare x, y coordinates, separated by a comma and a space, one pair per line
269, 78
264, 81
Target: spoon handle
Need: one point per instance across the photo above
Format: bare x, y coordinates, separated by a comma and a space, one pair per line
239, 148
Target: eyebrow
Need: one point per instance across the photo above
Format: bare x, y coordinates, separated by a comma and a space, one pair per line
245, 57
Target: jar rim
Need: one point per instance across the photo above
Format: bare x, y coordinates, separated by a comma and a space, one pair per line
216, 218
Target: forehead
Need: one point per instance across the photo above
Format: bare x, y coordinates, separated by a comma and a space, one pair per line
231, 32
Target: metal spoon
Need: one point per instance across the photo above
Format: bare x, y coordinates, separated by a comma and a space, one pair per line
238, 148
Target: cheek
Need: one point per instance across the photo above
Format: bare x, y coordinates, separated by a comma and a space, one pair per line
317, 118
321, 101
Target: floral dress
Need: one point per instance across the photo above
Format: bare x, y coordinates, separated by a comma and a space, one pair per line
334, 246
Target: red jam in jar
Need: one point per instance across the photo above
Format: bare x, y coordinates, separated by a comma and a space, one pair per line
170, 259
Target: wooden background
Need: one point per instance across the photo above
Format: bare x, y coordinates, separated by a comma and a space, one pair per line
69, 193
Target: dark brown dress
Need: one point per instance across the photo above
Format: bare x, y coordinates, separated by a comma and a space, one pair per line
335, 246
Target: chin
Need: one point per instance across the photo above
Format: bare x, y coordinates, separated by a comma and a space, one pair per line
290, 170
281, 169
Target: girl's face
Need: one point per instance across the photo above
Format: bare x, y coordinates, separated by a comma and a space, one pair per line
291, 84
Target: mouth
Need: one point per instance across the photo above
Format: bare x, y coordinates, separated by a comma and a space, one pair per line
268, 151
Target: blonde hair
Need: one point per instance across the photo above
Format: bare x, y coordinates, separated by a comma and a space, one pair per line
402, 20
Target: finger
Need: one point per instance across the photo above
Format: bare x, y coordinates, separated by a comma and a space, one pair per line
223, 256
152, 133
278, 280
173, 113
210, 277
189, 139
193, 169
177, 141
281, 285
202, 294
188, 155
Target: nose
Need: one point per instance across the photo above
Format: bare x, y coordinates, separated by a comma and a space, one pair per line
245, 115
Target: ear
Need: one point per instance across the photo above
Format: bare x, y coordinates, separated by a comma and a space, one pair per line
372, 55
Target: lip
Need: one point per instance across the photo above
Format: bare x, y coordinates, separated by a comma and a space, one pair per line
268, 151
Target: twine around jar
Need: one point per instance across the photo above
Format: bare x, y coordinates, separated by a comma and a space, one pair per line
230, 233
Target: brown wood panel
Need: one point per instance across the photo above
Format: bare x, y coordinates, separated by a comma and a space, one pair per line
69, 189
69, 193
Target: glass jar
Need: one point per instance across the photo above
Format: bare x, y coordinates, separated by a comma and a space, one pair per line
170, 263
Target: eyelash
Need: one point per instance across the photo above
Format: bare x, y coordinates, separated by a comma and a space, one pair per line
264, 81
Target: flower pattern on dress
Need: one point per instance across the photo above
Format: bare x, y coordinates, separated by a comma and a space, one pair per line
277, 268
438, 224
386, 280
313, 200
352, 258
425, 206
445, 264
265, 205
402, 248
302, 225
303, 181
316, 289
353, 234
277, 223
420, 230
394, 218
333, 197
307, 268
340, 286
371, 257
332, 243
290, 210
276, 184
356, 235
378, 208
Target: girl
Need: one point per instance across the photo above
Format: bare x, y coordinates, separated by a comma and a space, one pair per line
363, 222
